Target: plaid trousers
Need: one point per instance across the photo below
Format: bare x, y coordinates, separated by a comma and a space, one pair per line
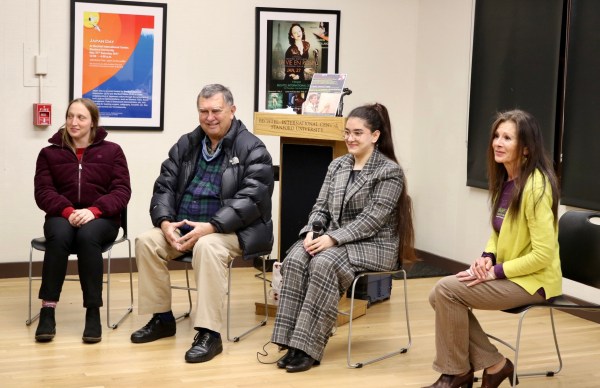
310, 293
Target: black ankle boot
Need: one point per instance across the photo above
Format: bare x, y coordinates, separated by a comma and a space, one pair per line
93, 328
46, 326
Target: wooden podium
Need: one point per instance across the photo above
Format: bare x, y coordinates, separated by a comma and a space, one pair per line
306, 137
307, 130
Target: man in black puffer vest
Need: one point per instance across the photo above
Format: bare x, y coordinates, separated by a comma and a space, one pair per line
212, 198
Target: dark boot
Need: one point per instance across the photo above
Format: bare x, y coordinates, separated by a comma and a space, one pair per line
46, 326
494, 380
285, 360
93, 328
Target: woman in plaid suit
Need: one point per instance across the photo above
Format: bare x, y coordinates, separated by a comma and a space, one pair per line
366, 211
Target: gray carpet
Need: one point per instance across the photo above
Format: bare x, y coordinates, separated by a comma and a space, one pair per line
421, 269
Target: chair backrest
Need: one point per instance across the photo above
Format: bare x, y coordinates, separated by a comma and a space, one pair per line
579, 239
124, 222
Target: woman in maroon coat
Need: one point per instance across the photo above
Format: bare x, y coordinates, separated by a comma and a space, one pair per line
82, 184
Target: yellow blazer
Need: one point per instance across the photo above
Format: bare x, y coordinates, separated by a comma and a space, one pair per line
528, 245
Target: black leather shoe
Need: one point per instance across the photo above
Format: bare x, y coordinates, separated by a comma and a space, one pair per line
302, 362
204, 348
285, 360
46, 326
154, 329
93, 328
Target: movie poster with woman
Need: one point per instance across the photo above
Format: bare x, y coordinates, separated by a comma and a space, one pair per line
292, 46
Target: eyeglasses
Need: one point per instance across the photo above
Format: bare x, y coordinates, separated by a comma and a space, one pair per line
353, 134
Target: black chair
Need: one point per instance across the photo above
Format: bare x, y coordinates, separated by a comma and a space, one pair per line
39, 244
187, 260
400, 350
579, 240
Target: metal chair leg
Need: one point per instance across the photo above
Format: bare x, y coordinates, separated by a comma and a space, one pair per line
262, 322
30, 319
386, 355
516, 348
560, 363
189, 293
130, 308
188, 288
548, 373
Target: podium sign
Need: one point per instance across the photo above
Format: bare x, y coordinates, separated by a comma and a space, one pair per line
299, 126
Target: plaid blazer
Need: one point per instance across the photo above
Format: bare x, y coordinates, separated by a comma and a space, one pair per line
361, 216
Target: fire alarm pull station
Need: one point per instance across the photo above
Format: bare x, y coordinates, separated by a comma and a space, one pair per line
42, 114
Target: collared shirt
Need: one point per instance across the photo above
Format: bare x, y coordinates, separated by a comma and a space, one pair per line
202, 198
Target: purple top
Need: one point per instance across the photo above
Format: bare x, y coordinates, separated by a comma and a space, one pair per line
505, 197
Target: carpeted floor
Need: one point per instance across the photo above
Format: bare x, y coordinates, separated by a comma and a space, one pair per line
421, 269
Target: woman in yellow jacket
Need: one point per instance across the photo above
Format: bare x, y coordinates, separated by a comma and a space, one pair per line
520, 263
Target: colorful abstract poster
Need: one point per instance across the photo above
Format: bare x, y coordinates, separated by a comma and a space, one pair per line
118, 61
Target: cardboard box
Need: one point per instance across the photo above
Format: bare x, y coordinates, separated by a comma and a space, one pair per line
360, 309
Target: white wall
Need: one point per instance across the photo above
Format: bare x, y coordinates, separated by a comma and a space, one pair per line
203, 46
411, 55
446, 208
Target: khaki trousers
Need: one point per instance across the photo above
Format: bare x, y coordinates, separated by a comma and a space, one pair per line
459, 339
211, 257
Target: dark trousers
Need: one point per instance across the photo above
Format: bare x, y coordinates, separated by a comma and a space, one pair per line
86, 242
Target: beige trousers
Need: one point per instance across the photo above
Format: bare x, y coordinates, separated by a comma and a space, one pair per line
459, 339
212, 255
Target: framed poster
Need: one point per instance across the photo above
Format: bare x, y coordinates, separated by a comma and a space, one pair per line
291, 46
118, 60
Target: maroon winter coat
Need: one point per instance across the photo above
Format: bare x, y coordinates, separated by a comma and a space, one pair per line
101, 179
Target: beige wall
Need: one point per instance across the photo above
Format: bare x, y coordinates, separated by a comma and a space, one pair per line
411, 55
